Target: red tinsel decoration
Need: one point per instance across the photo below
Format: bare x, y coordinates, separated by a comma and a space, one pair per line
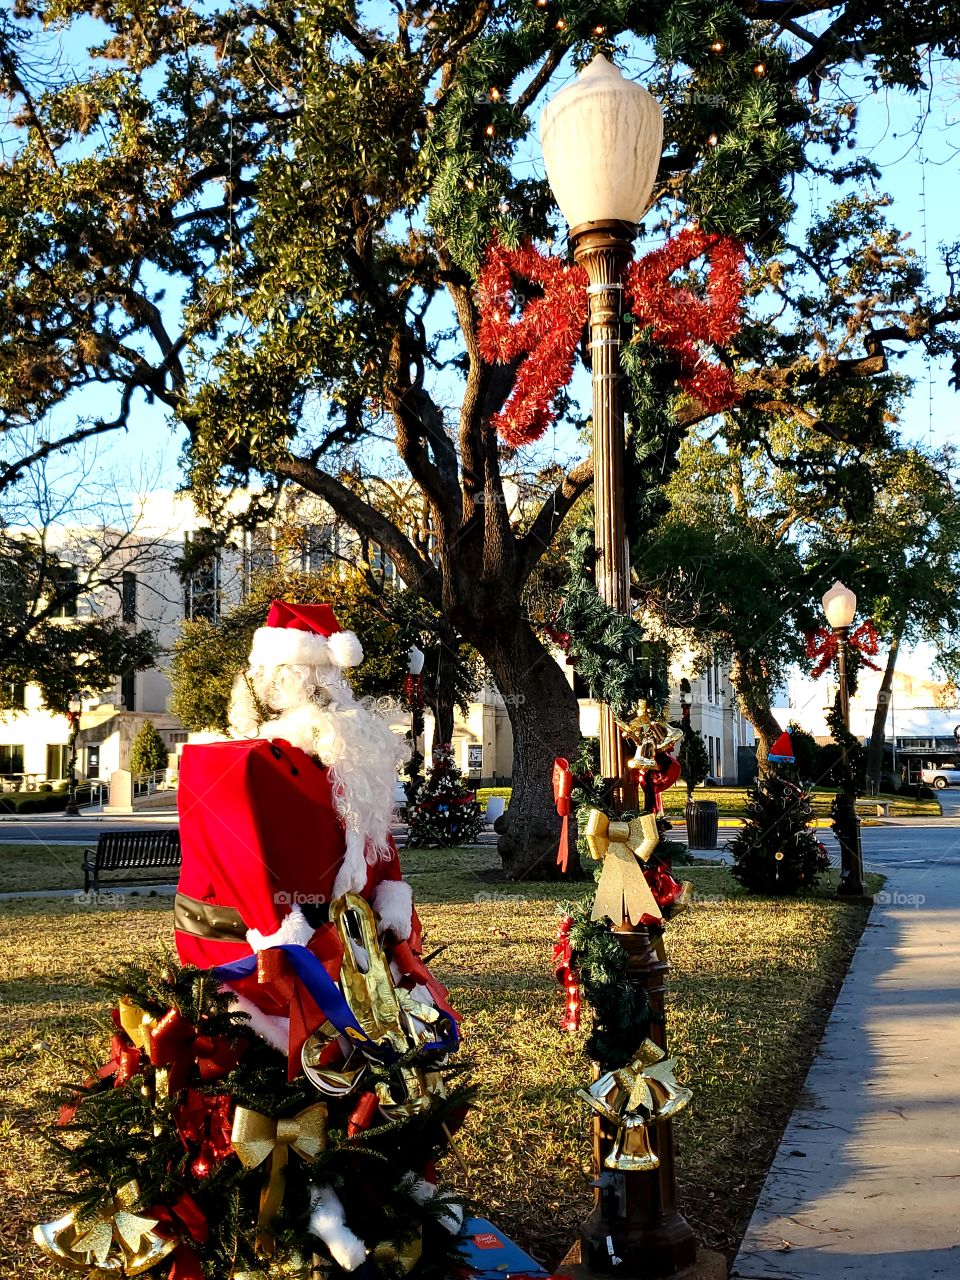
822, 646
683, 322
566, 975
545, 336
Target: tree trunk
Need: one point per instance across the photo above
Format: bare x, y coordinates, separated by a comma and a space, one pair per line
879, 732
545, 718
442, 694
754, 701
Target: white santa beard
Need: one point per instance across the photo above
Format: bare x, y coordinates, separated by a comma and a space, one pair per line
361, 751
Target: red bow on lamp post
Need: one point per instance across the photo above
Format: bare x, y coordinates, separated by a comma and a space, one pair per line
822, 646
562, 792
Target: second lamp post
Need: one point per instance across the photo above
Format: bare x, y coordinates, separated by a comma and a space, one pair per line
840, 606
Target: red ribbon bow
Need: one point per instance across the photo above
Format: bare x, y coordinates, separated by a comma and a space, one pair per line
562, 791
204, 1121
183, 1215
822, 645
545, 336
175, 1043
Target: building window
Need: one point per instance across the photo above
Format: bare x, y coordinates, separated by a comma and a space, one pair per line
719, 759
58, 761
320, 547
128, 597
710, 682
201, 589
14, 696
381, 564
93, 760
128, 691
259, 560
64, 578
11, 760
710, 753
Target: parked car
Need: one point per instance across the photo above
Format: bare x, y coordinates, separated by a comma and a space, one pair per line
943, 775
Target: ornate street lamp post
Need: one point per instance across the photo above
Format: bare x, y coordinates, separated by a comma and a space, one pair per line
840, 606
73, 717
601, 138
413, 689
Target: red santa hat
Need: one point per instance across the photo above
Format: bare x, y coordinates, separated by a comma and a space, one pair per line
303, 635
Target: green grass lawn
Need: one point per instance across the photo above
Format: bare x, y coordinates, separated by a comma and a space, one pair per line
731, 802
751, 986
24, 867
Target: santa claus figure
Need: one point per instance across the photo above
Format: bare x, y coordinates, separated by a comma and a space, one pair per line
286, 819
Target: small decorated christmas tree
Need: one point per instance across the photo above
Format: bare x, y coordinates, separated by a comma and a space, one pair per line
775, 851
446, 812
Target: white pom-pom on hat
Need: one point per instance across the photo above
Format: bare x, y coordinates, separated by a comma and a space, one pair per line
345, 649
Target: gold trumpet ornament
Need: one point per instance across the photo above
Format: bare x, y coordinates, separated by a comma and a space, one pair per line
388, 1014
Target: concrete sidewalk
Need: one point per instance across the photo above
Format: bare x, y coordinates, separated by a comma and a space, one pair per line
866, 1182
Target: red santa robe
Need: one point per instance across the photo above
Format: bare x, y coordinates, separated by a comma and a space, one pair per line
260, 838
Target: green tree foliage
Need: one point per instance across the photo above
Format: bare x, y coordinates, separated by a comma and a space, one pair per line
775, 852
263, 217
77, 660
149, 751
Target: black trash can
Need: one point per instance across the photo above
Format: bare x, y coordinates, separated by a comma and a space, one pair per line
702, 824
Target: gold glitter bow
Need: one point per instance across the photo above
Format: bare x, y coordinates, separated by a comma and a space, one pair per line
256, 1137
79, 1242
623, 893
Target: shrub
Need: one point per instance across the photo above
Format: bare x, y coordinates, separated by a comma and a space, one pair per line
149, 752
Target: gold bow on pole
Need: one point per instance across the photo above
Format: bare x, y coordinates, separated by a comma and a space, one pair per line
256, 1137
623, 893
81, 1242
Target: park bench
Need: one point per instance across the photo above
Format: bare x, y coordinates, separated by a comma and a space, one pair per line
129, 851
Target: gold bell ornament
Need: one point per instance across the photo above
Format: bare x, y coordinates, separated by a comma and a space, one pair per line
633, 1097
650, 736
84, 1242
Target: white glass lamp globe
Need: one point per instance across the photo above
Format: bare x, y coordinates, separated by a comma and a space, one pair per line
415, 660
601, 138
840, 606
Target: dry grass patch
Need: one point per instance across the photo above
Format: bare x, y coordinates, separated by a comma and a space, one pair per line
751, 987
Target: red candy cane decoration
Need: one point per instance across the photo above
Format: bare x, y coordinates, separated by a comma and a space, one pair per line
566, 975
